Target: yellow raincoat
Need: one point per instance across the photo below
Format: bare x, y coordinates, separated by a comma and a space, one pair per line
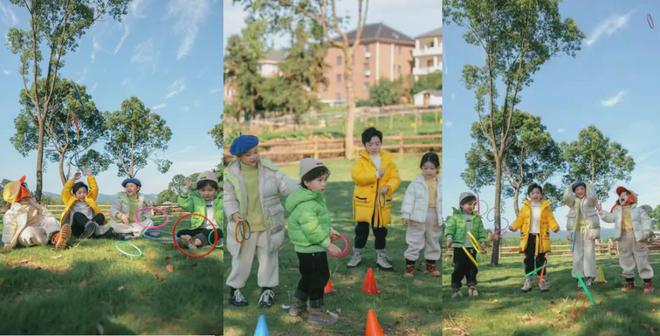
70, 199
368, 203
524, 222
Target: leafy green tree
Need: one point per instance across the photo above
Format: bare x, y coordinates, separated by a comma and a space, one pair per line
593, 157
517, 38
386, 92
55, 27
134, 135
432, 81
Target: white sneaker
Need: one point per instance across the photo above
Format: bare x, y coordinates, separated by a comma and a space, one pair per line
356, 258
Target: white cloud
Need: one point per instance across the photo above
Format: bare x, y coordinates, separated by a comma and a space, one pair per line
449, 123
143, 52
159, 106
8, 15
609, 102
136, 8
135, 11
175, 88
185, 108
608, 27
561, 130
188, 20
122, 38
6, 72
96, 48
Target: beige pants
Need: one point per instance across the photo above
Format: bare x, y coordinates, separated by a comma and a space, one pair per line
584, 255
38, 234
241, 264
634, 254
424, 236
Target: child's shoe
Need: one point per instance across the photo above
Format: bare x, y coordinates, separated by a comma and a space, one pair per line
298, 306
648, 287
432, 270
382, 262
544, 286
472, 291
90, 228
628, 286
356, 258
410, 271
318, 315
267, 298
61, 239
590, 281
527, 286
456, 293
236, 298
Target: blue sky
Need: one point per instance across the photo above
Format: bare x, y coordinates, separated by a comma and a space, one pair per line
611, 83
402, 15
168, 54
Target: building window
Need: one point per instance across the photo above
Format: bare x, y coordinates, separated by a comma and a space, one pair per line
338, 78
366, 86
339, 60
429, 63
366, 66
398, 50
366, 48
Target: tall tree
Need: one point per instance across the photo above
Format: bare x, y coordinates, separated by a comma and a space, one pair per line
332, 26
73, 126
517, 37
432, 81
134, 135
55, 27
593, 157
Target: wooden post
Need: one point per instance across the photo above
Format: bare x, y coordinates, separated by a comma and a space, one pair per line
316, 147
401, 143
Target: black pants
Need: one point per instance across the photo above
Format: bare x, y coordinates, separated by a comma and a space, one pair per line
530, 257
314, 275
201, 234
79, 221
362, 234
464, 267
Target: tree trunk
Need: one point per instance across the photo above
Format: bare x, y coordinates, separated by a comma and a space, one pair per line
350, 104
61, 166
40, 162
496, 208
516, 195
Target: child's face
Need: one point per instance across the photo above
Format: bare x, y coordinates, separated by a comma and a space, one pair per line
623, 198
535, 195
208, 193
429, 170
131, 189
373, 146
250, 157
81, 193
318, 184
468, 207
580, 192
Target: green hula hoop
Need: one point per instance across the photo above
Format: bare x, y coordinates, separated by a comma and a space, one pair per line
130, 255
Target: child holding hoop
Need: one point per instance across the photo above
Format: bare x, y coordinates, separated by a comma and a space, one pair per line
534, 221
128, 203
422, 214
310, 232
253, 188
205, 201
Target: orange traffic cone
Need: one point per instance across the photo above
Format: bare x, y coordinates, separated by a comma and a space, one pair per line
329, 288
373, 328
369, 284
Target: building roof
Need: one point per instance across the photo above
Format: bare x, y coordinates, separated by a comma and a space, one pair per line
381, 32
432, 33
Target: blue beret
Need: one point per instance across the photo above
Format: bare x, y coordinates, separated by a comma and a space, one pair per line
131, 180
242, 144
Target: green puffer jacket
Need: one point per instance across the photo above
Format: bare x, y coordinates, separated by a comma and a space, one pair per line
309, 222
455, 229
194, 203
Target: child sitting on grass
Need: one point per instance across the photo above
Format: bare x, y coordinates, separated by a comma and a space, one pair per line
80, 207
205, 201
128, 203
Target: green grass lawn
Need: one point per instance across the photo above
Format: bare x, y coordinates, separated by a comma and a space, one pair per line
502, 309
91, 288
405, 306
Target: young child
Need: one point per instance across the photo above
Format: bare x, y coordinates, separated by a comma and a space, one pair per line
124, 208
205, 201
310, 232
253, 187
376, 179
28, 223
463, 223
534, 221
632, 227
583, 226
80, 208
422, 214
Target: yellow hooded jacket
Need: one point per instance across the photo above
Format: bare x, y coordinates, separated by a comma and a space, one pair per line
524, 222
70, 199
367, 200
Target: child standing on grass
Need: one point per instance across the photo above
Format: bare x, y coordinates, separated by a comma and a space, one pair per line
465, 233
422, 214
633, 230
80, 208
583, 226
28, 223
205, 201
534, 221
310, 232
252, 193
376, 179
126, 205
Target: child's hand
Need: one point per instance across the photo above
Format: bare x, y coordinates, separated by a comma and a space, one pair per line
7, 247
406, 221
334, 234
556, 230
333, 249
77, 176
88, 171
449, 243
187, 182
237, 218
381, 172
124, 219
511, 228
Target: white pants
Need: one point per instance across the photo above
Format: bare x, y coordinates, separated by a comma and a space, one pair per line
634, 254
424, 236
241, 264
584, 255
135, 229
38, 234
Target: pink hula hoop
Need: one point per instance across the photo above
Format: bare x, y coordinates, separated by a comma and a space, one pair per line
345, 251
161, 210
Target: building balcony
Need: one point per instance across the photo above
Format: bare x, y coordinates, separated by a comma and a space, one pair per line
367, 54
426, 70
427, 51
367, 72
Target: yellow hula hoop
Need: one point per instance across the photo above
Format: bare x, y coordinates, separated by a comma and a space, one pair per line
469, 255
475, 242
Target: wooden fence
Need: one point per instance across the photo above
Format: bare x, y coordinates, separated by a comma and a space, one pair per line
171, 208
289, 151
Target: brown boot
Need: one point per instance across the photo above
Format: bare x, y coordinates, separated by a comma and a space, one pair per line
628, 286
410, 271
648, 287
432, 270
61, 239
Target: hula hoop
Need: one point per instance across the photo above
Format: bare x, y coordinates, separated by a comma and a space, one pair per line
209, 238
542, 267
130, 255
586, 290
345, 251
649, 20
213, 246
469, 255
244, 228
581, 310
162, 240
161, 210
